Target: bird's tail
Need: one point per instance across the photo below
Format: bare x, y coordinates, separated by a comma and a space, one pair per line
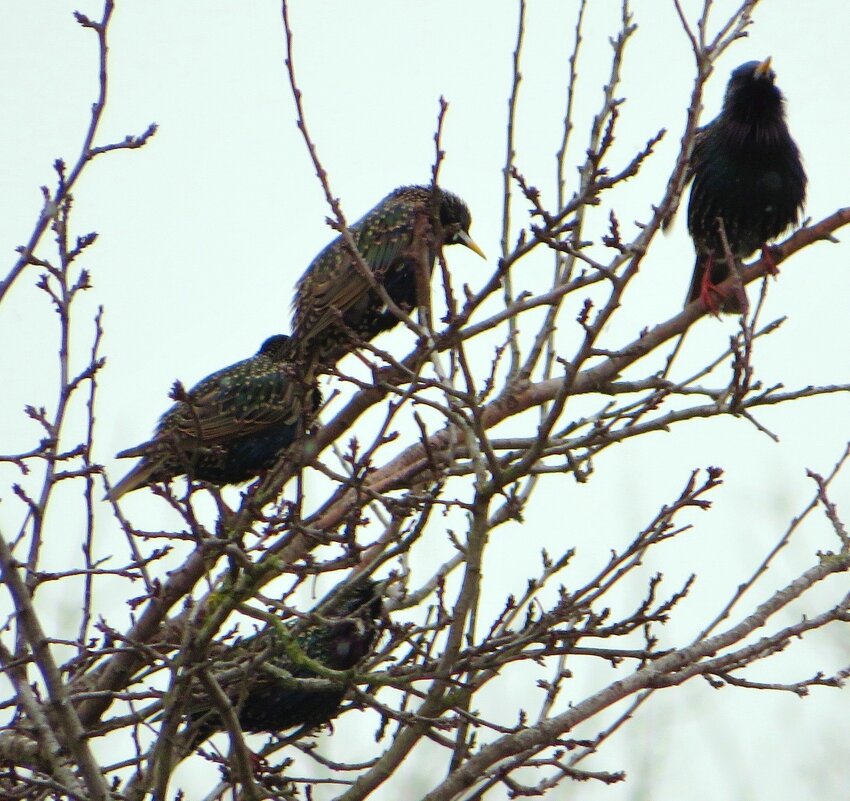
733, 303
136, 478
696, 280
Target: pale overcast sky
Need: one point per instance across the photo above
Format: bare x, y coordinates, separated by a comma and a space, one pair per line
204, 232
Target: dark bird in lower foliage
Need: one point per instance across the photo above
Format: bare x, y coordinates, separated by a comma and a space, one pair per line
398, 240
228, 428
747, 175
338, 636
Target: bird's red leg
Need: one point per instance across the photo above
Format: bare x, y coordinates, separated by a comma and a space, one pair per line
708, 292
770, 262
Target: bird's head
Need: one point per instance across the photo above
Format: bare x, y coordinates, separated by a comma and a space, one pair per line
456, 220
752, 94
351, 618
274, 346
363, 598
751, 73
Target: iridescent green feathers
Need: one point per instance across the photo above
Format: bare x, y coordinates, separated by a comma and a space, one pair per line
339, 637
229, 427
336, 304
236, 423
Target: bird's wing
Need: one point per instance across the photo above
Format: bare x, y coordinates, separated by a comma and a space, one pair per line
225, 405
331, 292
231, 407
700, 138
329, 295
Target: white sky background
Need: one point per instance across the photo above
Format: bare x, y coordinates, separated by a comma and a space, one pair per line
204, 232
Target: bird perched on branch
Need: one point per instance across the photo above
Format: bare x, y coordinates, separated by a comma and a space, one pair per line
336, 301
228, 428
749, 184
256, 673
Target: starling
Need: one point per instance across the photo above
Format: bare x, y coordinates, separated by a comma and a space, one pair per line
339, 636
333, 299
747, 172
230, 427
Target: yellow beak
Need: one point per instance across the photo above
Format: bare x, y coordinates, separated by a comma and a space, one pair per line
763, 69
466, 239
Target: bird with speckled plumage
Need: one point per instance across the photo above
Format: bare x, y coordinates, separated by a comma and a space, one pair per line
747, 173
229, 427
335, 303
338, 636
